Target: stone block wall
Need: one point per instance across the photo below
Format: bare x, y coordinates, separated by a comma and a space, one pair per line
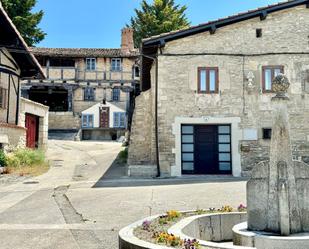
63, 121
141, 138
236, 51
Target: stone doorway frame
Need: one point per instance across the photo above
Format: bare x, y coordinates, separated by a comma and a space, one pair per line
236, 134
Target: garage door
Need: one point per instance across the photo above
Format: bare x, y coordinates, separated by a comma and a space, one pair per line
206, 149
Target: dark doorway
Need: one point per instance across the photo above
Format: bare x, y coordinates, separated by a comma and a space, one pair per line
206, 149
32, 135
54, 97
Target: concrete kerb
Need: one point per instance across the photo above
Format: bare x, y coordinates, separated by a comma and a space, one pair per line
127, 239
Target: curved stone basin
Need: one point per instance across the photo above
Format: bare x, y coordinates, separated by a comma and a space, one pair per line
211, 230
263, 240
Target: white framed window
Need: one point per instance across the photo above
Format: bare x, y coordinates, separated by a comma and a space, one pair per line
119, 119
87, 121
91, 64
116, 64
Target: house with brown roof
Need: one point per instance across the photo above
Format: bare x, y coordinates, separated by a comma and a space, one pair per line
205, 106
18, 63
80, 79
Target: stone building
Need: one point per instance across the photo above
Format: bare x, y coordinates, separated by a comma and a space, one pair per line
205, 103
17, 63
78, 79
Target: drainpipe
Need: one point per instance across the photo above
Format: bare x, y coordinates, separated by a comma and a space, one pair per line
156, 120
155, 59
17, 104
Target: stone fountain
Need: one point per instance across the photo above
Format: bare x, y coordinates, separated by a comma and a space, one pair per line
278, 191
277, 200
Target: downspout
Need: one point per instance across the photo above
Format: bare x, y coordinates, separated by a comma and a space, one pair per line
8, 96
156, 119
18, 103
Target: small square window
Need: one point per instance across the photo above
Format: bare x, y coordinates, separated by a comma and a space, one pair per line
119, 120
116, 64
266, 133
116, 94
89, 94
90, 64
87, 121
259, 33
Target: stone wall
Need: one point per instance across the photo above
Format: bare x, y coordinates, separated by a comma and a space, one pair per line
141, 138
12, 136
236, 51
63, 121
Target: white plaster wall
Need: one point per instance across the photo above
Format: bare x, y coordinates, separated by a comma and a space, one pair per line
95, 111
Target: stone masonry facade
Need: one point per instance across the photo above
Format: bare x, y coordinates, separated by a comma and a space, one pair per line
237, 53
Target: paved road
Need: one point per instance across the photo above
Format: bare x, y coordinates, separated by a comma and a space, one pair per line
82, 202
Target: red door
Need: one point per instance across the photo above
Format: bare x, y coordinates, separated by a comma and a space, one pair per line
32, 130
104, 117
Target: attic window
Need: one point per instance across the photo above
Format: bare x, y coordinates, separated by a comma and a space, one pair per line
259, 33
266, 133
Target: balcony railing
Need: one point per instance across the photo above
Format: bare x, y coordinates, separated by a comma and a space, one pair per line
72, 73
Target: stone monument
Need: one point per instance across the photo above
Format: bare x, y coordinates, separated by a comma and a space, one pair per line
278, 191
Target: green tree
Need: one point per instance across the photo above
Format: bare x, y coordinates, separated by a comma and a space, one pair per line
20, 11
159, 17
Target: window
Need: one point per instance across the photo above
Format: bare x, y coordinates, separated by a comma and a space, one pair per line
90, 64
3, 93
87, 121
119, 119
269, 73
89, 94
259, 33
208, 80
266, 133
187, 148
136, 71
224, 148
116, 94
116, 64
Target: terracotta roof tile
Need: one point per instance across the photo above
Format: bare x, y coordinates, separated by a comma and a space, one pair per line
83, 52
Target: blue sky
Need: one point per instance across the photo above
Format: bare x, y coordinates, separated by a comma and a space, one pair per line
97, 23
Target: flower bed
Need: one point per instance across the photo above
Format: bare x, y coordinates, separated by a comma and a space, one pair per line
156, 230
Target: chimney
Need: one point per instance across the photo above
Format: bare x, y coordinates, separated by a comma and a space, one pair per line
127, 43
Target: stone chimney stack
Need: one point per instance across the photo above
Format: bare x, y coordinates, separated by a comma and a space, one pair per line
127, 43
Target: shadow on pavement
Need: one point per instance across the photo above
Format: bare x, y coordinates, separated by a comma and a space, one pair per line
116, 176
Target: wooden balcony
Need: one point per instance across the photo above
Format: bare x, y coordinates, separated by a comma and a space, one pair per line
75, 74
